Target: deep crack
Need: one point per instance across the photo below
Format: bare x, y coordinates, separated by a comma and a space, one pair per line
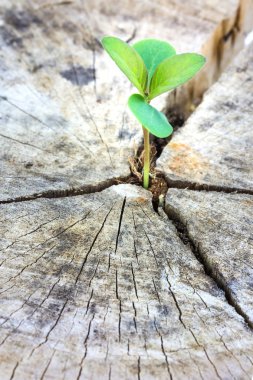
215, 275
70, 192
183, 184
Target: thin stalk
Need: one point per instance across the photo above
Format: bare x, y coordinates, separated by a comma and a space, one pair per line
146, 167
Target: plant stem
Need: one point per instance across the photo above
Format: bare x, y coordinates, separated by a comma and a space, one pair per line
146, 167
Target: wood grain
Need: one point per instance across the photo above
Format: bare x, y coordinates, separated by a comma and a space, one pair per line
100, 286
214, 148
220, 228
63, 103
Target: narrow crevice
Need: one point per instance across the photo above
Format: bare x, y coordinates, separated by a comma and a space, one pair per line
177, 118
159, 186
162, 183
220, 49
183, 184
71, 192
210, 271
120, 221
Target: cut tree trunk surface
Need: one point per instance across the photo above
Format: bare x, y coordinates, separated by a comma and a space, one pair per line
100, 286
214, 149
64, 118
220, 228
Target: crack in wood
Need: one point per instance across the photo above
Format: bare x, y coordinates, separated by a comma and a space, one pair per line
176, 302
25, 143
92, 245
70, 192
86, 348
183, 184
232, 354
212, 364
120, 221
139, 368
135, 316
119, 323
217, 277
14, 371
51, 329
90, 189
18, 309
47, 366
88, 303
163, 350
151, 247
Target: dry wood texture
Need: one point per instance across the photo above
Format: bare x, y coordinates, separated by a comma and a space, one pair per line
220, 227
64, 121
100, 286
224, 42
214, 149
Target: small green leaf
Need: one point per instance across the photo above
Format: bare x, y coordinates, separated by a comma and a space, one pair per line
153, 52
154, 121
128, 60
174, 71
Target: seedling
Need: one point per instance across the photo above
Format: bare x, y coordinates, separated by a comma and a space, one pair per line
154, 68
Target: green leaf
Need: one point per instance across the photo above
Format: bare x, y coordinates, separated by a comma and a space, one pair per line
153, 52
174, 71
128, 60
153, 120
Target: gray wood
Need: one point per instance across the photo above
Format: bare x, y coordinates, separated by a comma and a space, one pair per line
100, 286
222, 44
63, 104
220, 226
214, 149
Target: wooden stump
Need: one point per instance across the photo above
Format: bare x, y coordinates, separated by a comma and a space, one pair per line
101, 286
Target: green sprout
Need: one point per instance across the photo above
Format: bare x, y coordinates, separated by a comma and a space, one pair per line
154, 68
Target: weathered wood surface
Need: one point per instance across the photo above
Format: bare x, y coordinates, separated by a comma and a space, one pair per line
214, 149
100, 286
225, 42
64, 118
220, 227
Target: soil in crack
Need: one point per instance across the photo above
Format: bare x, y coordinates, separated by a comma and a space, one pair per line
158, 185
